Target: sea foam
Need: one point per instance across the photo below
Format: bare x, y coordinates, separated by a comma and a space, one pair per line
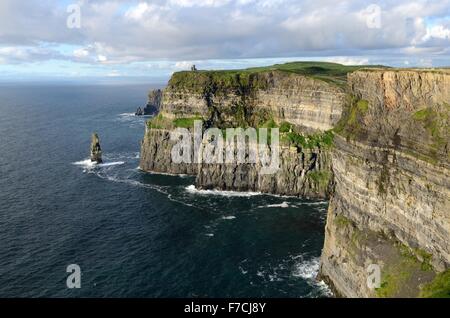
194, 190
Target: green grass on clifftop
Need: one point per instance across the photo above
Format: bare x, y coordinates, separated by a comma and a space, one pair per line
329, 72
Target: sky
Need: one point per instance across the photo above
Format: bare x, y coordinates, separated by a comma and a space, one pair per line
121, 40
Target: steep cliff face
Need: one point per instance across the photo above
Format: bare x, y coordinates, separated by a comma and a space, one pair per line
391, 204
153, 102
308, 106
156, 156
305, 173
283, 96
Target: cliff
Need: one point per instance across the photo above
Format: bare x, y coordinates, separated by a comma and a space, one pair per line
237, 99
391, 203
304, 100
153, 102
385, 162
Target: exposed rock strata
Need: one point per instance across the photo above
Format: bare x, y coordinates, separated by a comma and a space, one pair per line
153, 102
392, 183
96, 150
303, 173
313, 105
390, 164
156, 154
283, 96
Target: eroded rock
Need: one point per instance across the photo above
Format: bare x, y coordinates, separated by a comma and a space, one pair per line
96, 150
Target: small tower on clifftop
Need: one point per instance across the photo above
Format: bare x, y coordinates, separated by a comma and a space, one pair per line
96, 150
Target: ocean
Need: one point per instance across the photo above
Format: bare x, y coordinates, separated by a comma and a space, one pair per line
133, 234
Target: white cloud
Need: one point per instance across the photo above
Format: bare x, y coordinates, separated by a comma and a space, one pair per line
121, 31
27, 54
139, 11
183, 65
81, 53
438, 32
102, 58
198, 3
345, 60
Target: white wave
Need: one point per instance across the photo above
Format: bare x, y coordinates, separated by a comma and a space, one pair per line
131, 119
324, 288
307, 269
167, 174
315, 203
280, 205
108, 164
113, 175
209, 234
127, 115
85, 163
229, 217
192, 189
91, 164
160, 189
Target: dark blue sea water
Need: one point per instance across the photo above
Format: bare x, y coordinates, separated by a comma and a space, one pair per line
133, 234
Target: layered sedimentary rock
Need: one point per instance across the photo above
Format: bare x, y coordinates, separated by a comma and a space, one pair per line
156, 155
283, 96
249, 100
96, 150
391, 203
153, 102
388, 169
302, 172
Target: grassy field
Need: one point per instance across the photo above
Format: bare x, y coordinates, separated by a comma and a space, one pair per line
329, 72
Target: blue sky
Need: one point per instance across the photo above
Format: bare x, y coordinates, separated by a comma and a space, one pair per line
119, 40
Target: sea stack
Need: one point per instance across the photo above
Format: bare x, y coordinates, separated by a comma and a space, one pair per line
139, 112
153, 102
96, 150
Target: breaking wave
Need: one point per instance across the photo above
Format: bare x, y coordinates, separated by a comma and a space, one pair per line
229, 217
308, 270
88, 164
192, 189
279, 205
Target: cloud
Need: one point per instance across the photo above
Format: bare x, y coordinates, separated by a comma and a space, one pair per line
348, 60
437, 32
119, 32
81, 53
198, 3
16, 55
138, 12
184, 65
